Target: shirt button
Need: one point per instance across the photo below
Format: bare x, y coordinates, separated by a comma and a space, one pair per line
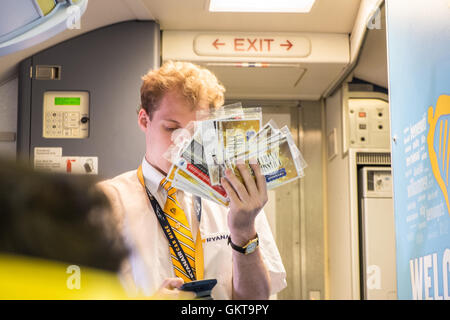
177, 225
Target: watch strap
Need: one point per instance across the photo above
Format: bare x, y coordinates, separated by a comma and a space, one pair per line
242, 249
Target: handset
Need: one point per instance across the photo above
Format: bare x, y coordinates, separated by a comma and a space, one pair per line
202, 288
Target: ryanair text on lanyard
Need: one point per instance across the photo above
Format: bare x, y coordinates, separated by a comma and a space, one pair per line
171, 237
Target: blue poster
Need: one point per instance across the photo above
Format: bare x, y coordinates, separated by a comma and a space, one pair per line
419, 88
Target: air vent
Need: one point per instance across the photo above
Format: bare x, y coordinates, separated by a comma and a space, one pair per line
373, 158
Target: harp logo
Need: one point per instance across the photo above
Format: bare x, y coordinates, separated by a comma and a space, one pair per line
438, 141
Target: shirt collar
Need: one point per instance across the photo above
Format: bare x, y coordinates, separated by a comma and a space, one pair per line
152, 176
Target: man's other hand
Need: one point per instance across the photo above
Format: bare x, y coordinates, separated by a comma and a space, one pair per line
169, 290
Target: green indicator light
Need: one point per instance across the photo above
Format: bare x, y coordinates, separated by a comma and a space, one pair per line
67, 101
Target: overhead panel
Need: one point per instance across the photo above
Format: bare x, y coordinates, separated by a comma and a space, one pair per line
248, 81
263, 65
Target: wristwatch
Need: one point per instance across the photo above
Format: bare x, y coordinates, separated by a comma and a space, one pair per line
248, 248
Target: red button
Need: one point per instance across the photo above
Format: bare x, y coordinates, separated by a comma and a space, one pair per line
362, 114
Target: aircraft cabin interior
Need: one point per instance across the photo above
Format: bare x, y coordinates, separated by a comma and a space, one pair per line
320, 69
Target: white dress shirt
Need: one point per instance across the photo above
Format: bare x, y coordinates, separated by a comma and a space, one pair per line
150, 262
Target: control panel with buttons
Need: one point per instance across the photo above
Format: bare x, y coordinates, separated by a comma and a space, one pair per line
368, 123
66, 115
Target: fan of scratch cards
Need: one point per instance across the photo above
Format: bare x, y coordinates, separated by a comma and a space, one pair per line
222, 138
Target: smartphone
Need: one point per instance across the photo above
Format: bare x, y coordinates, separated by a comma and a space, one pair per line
202, 288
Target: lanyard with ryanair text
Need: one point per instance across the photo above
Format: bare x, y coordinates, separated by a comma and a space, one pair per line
171, 237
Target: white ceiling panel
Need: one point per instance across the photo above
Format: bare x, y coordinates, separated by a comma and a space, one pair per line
328, 16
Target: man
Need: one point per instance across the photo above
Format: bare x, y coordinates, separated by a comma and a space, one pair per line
170, 98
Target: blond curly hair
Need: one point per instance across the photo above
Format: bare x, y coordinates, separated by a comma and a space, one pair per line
195, 83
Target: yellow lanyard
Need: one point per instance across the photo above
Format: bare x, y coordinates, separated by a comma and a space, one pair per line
199, 263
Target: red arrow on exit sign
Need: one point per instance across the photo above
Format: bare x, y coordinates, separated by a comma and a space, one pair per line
216, 44
288, 45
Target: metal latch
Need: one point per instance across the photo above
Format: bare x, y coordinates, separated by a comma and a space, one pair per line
48, 72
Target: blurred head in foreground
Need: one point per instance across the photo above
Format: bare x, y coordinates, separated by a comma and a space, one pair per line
57, 217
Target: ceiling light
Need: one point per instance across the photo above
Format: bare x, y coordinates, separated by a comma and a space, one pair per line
294, 6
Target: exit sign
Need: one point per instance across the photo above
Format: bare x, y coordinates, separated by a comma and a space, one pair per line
252, 45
